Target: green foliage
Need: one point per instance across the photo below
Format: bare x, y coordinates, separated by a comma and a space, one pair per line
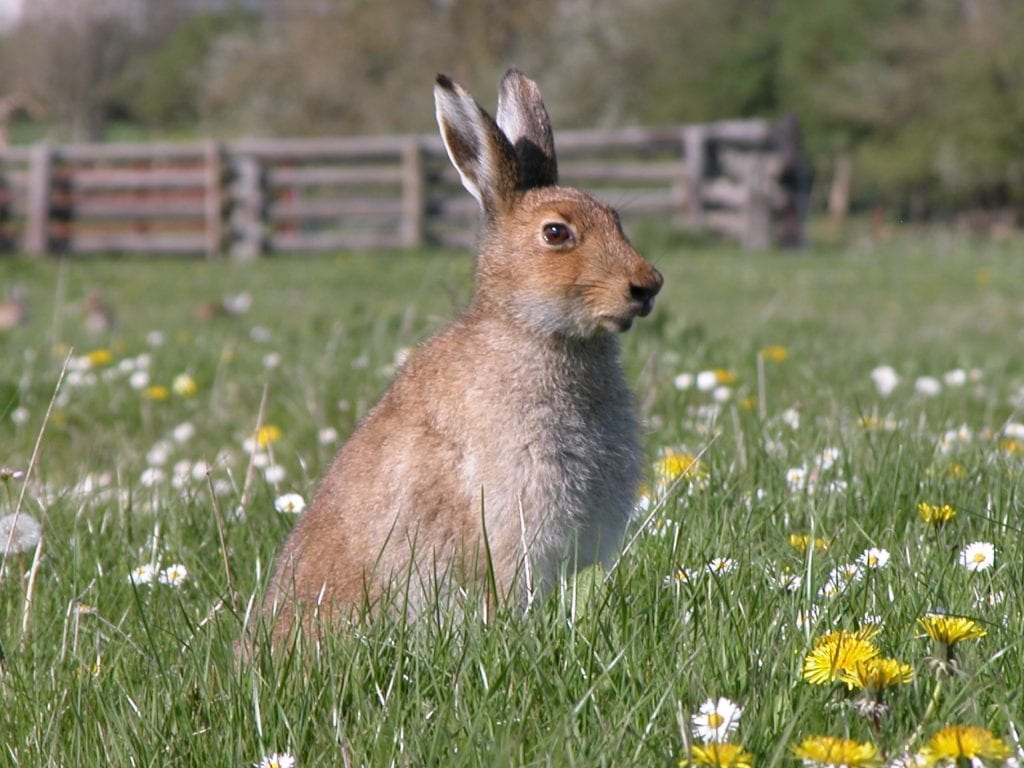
925, 98
610, 670
163, 86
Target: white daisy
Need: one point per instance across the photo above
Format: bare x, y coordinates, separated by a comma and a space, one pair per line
679, 577
276, 760
142, 574
721, 565
807, 618
928, 386
791, 418
955, 378
886, 379
796, 479
139, 380
290, 503
327, 436
152, 476
827, 458
274, 474
787, 580
707, 381
184, 432
874, 558
849, 572
1014, 430
683, 381
715, 720
174, 575
978, 556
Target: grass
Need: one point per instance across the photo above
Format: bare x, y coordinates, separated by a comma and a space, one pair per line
611, 670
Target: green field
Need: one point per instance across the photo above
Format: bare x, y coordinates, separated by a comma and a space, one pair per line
143, 462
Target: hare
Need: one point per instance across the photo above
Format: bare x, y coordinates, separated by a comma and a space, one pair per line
507, 447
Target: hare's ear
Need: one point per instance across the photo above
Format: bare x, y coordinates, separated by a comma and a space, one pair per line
479, 150
524, 120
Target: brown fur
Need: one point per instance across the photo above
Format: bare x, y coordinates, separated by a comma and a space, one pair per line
515, 421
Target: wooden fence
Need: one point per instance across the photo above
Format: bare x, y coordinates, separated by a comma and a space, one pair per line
743, 179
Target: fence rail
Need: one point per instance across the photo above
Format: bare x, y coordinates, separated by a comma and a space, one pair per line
742, 179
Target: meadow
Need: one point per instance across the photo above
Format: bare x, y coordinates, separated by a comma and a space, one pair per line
825, 565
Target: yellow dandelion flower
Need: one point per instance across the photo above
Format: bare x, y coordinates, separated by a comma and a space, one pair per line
266, 435
1012, 446
936, 515
99, 357
968, 742
724, 376
866, 634
833, 751
838, 653
775, 353
800, 542
676, 463
956, 470
156, 392
950, 630
718, 755
877, 673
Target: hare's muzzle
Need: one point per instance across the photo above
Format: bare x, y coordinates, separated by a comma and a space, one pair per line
642, 291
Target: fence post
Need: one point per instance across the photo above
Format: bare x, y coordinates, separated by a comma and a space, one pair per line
413, 185
694, 148
757, 227
213, 198
40, 181
795, 181
247, 214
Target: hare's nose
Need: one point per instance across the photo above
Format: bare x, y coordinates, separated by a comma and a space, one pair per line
645, 291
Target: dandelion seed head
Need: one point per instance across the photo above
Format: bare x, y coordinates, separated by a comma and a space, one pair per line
23, 531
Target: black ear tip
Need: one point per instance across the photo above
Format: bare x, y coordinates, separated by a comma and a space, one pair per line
445, 82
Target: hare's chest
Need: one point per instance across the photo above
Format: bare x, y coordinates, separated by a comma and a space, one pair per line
561, 477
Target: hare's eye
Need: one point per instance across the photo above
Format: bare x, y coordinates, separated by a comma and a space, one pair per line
556, 233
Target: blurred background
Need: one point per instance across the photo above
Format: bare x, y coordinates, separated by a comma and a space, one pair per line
911, 106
